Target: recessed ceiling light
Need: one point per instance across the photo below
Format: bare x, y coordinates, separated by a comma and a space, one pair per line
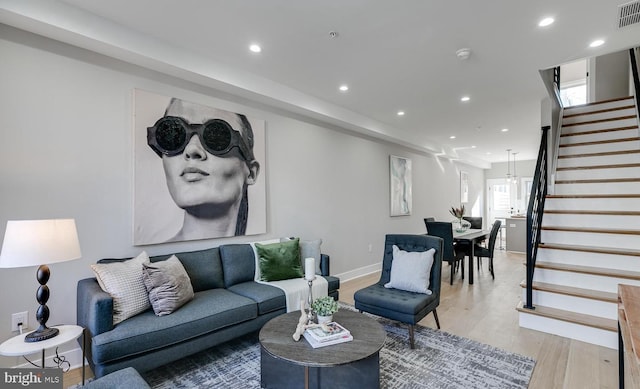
343, 88
400, 113
488, 152
545, 22
255, 48
473, 147
465, 98
504, 130
596, 43
452, 137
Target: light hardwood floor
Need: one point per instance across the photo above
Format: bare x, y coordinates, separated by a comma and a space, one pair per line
485, 311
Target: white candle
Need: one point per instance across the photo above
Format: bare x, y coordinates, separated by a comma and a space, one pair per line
309, 268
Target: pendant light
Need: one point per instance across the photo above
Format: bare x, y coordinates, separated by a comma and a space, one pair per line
515, 177
509, 165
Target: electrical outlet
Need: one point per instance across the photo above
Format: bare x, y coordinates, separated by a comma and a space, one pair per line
20, 317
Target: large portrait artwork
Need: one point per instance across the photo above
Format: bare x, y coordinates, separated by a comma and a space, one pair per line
198, 171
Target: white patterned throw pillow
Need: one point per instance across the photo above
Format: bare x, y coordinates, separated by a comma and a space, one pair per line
124, 282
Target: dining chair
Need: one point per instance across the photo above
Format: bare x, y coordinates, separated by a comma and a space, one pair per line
487, 252
450, 253
476, 222
428, 219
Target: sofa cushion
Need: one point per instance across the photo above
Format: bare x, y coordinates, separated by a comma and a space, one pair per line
410, 271
238, 263
203, 267
209, 311
168, 285
279, 261
269, 298
123, 281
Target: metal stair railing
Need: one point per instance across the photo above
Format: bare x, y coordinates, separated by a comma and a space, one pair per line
534, 214
636, 78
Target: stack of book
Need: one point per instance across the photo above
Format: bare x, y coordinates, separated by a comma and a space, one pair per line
326, 334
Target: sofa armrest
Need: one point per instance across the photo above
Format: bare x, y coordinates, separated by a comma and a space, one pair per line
324, 264
95, 307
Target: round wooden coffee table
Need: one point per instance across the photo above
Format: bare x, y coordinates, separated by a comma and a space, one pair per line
286, 363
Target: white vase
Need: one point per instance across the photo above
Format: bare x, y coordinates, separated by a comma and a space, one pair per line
325, 319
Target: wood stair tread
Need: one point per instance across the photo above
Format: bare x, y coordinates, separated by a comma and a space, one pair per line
596, 103
573, 291
596, 271
596, 196
599, 121
611, 166
592, 212
589, 249
598, 181
601, 142
621, 108
600, 154
572, 317
620, 231
600, 131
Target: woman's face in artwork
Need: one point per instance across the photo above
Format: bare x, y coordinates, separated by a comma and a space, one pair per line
196, 178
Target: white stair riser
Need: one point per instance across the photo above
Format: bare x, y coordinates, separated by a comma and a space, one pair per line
581, 220
599, 136
599, 116
573, 304
585, 174
598, 107
621, 241
601, 125
582, 333
599, 160
598, 188
581, 280
598, 204
600, 147
581, 258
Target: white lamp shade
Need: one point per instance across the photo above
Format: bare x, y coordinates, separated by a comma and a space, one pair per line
38, 242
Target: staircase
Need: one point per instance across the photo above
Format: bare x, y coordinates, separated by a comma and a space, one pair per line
590, 238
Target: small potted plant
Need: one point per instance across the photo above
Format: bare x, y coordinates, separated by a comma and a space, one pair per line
324, 308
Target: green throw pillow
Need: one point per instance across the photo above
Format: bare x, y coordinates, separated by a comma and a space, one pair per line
279, 261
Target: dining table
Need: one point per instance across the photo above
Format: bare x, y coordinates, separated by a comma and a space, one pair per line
472, 236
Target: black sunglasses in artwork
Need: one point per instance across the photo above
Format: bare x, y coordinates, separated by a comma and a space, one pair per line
171, 134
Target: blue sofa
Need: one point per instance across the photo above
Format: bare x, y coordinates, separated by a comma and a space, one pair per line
228, 303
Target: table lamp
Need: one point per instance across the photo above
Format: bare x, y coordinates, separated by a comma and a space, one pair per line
39, 243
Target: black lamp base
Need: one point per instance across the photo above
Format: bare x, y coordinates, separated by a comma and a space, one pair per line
41, 334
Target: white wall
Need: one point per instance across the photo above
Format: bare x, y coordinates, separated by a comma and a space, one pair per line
67, 151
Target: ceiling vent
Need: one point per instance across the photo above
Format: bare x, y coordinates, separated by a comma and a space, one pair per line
629, 14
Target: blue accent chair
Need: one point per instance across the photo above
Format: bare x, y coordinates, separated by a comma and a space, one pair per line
400, 305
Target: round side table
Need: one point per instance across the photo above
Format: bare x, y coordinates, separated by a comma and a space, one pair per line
16, 346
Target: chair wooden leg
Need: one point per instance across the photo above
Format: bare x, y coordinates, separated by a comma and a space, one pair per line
411, 338
435, 315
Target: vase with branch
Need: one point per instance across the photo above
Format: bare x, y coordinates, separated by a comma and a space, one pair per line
460, 225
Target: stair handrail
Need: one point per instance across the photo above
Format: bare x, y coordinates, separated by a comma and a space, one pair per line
636, 78
551, 80
535, 210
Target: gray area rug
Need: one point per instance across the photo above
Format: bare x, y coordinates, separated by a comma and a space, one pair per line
440, 360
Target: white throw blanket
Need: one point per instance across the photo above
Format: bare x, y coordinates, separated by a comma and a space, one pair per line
295, 289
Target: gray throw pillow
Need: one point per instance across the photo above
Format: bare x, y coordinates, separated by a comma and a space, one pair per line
168, 285
410, 271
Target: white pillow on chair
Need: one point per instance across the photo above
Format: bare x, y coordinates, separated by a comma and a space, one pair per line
410, 271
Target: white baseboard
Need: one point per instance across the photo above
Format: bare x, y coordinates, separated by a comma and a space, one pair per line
359, 272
